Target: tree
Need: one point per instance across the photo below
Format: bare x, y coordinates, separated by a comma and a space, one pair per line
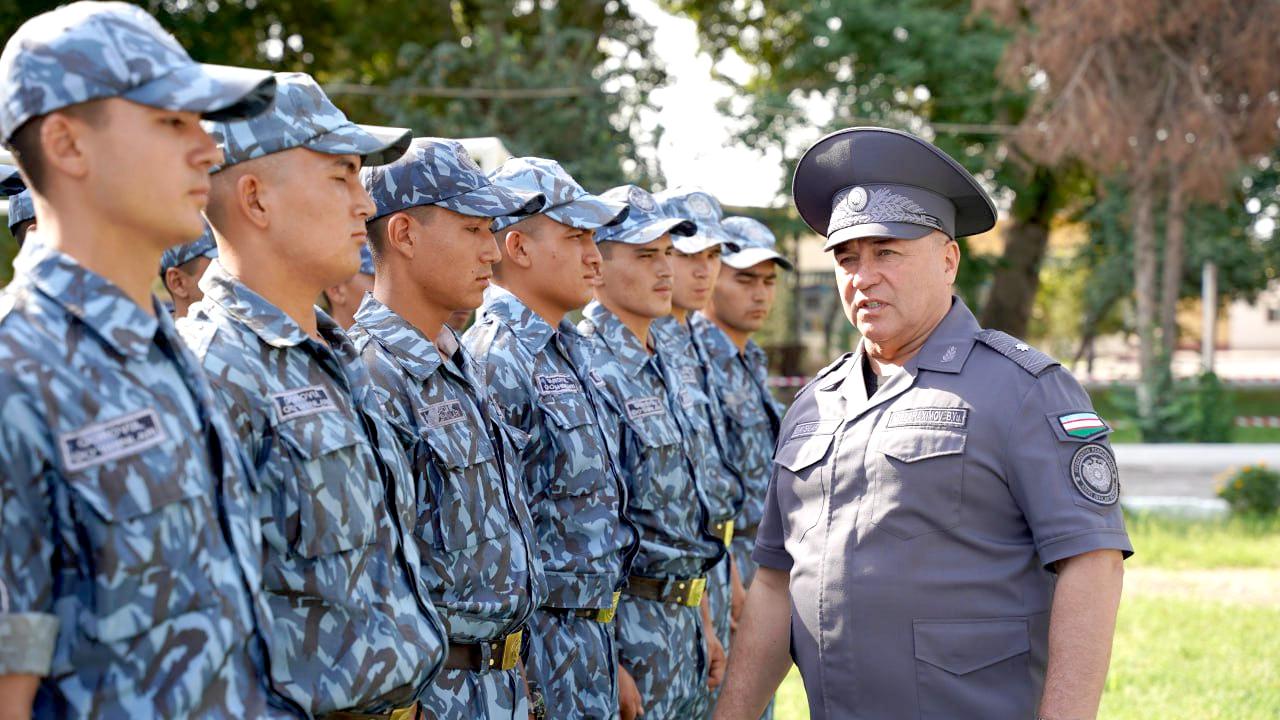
928, 66
1172, 96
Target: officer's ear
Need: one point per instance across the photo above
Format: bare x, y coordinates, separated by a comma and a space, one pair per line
951, 259
400, 238
515, 249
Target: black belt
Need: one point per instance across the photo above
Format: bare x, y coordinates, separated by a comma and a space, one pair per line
681, 591
500, 654
748, 531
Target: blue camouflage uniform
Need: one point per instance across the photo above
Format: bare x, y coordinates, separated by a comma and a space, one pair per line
472, 515
659, 621
129, 578
577, 497
354, 629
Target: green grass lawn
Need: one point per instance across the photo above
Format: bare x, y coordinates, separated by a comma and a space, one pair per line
1180, 657
1114, 404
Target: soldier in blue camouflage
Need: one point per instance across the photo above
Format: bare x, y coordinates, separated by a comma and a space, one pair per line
548, 269
355, 634
181, 268
433, 252
129, 574
343, 299
695, 265
737, 373
668, 650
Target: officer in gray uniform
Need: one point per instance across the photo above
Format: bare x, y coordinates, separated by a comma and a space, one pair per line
130, 583
941, 535
355, 634
522, 343
343, 299
433, 250
181, 268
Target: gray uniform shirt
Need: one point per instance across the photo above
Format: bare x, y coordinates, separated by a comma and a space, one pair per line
919, 525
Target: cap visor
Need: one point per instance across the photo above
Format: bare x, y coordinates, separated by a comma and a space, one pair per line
10, 181
376, 145
752, 256
645, 234
702, 240
589, 213
901, 231
496, 201
218, 92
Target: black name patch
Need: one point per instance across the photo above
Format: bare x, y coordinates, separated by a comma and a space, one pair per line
443, 413
126, 435
929, 417
302, 401
556, 384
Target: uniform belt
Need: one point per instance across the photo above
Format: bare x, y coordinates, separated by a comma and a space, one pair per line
412, 712
681, 591
747, 531
600, 615
500, 654
722, 529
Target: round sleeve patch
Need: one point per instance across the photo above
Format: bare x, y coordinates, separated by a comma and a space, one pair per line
1094, 472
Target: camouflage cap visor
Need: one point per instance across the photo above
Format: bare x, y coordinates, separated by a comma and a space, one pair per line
10, 181
752, 256
217, 92
648, 232
376, 145
588, 212
709, 234
21, 209
495, 201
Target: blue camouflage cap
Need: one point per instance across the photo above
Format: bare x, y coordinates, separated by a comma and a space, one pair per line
567, 202
179, 255
437, 171
756, 244
21, 208
303, 116
10, 181
93, 50
366, 260
700, 207
645, 222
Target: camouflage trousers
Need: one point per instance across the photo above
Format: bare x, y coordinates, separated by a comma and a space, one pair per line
469, 695
720, 603
661, 646
573, 662
741, 551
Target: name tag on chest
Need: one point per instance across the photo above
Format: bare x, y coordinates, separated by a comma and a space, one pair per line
96, 444
443, 413
644, 407
689, 375
301, 402
556, 384
929, 417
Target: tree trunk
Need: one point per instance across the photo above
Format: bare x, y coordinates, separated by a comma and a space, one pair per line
1016, 278
1174, 254
1144, 285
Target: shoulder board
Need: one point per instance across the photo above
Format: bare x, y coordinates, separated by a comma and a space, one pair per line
1022, 354
825, 371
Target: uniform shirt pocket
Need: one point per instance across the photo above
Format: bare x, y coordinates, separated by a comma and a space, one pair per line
332, 487
918, 478
974, 668
144, 515
657, 467
578, 454
470, 497
801, 487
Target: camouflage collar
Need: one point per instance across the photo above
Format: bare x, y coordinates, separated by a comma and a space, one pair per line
715, 339
411, 349
92, 299
267, 321
672, 332
533, 331
621, 341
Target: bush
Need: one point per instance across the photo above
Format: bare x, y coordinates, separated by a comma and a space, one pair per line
1194, 410
1252, 490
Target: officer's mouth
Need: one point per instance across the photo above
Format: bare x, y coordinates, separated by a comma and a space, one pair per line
870, 305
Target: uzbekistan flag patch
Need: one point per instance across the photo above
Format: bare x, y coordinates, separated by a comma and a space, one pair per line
1083, 424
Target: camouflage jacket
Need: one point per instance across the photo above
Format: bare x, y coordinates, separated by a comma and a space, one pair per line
701, 417
472, 515
130, 573
335, 502
739, 384
577, 498
666, 504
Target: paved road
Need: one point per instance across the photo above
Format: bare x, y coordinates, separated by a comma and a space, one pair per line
1185, 470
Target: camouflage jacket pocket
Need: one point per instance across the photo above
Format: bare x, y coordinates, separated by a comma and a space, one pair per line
471, 501
576, 465
331, 484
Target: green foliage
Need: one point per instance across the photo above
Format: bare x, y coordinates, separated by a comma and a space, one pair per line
1252, 490
1195, 410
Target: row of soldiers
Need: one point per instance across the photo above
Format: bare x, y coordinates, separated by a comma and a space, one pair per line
255, 511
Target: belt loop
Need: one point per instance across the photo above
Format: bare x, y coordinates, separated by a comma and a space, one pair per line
486, 656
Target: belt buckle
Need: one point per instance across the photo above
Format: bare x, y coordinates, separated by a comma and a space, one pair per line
511, 650
689, 592
405, 713
728, 532
605, 615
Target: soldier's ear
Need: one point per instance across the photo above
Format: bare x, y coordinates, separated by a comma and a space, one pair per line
62, 144
400, 236
250, 197
515, 248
